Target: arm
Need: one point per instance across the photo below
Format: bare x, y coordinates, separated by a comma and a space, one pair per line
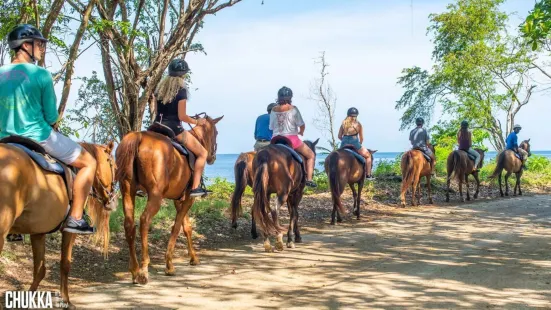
341, 133
299, 122
411, 137
255, 129
301, 130
458, 137
361, 133
49, 100
182, 114
470, 139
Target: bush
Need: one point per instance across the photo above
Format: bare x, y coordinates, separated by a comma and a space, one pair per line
388, 167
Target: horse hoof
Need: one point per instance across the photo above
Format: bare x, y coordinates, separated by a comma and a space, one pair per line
468, 198
358, 217
520, 194
234, 225
254, 236
170, 272
447, 199
431, 202
339, 220
194, 261
332, 223
501, 195
298, 240
355, 212
70, 306
475, 197
142, 278
290, 245
403, 205
279, 246
268, 249
506, 194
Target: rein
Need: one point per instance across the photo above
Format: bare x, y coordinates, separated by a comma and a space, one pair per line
112, 194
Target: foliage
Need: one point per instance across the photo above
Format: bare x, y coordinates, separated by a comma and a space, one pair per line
480, 71
387, 167
537, 26
223, 189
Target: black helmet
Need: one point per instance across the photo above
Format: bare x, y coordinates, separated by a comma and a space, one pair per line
284, 94
271, 106
352, 112
464, 124
24, 33
178, 67
419, 121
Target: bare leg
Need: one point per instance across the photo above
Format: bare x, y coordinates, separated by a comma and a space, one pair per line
39, 248
82, 185
305, 151
200, 153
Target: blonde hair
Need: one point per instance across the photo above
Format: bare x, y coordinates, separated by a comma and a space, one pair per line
348, 122
169, 87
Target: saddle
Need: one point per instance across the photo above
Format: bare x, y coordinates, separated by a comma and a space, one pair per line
282, 141
427, 157
169, 133
471, 157
352, 150
48, 163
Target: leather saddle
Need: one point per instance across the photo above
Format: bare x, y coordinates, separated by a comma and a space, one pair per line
352, 150
427, 157
169, 133
471, 156
281, 141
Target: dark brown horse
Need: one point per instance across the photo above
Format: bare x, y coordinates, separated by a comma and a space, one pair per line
148, 161
243, 172
343, 168
34, 201
461, 166
509, 161
276, 171
414, 166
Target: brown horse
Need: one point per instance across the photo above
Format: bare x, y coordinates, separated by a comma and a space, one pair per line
276, 171
461, 166
34, 201
243, 172
148, 161
414, 166
343, 168
509, 161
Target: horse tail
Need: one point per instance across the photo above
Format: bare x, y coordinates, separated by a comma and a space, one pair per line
261, 205
499, 166
455, 166
407, 168
126, 154
241, 180
334, 182
99, 216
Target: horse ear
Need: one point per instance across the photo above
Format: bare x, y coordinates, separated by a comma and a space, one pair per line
372, 151
216, 120
528, 140
110, 146
316, 142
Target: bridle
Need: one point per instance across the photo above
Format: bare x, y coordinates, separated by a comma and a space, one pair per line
106, 196
214, 145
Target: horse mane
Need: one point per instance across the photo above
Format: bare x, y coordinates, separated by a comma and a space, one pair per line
91, 148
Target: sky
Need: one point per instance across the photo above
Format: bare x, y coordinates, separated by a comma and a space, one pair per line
253, 50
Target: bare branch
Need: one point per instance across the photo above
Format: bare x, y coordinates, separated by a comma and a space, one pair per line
221, 6
163, 21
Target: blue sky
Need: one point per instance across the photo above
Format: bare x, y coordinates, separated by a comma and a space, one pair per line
253, 50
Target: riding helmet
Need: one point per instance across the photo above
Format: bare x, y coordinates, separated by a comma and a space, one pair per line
352, 112
464, 124
24, 33
178, 67
271, 106
284, 94
419, 121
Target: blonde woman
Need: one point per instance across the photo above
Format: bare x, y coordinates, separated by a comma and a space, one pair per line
171, 97
351, 133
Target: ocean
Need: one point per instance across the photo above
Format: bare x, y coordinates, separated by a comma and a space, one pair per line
223, 167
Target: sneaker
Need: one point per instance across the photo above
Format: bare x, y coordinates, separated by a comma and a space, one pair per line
370, 178
311, 184
78, 226
14, 237
198, 192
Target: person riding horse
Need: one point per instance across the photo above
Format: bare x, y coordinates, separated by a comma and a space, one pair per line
419, 137
262, 132
351, 133
28, 109
465, 141
172, 95
286, 121
512, 144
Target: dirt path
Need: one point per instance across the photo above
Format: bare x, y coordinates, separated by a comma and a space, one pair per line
488, 254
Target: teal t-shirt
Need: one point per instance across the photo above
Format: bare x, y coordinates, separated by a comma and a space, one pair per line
27, 101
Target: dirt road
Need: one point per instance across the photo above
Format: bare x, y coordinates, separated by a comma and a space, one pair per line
487, 254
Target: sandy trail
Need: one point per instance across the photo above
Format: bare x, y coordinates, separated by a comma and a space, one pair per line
487, 254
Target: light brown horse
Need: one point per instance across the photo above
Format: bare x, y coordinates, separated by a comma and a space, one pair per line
243, 172
415, 166
509, 161
276, 171
34, 201
461, 166
148, 161
343, 168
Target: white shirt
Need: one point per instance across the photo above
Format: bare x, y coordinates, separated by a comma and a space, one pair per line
286, 123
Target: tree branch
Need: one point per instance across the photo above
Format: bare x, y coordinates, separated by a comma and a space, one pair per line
162, 24
221, 6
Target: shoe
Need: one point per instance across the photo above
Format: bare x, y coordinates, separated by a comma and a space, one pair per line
370, 178
14, 237
198, 192
78, 226
141, 193
311, 184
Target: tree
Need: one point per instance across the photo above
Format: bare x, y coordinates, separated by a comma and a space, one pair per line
537, 26
324, 97
480, 71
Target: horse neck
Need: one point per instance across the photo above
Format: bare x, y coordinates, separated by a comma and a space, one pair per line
202, 136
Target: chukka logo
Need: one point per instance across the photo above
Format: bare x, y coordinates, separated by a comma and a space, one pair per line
33, 300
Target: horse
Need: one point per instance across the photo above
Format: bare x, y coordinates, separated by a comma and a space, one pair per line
509, 161
35, 201
243, 172
277, 171
148, 161
461, 166
414, 165
342, 167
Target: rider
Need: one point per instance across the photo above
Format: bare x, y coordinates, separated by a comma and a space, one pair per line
285, 120
351, 133
28, 109
172, 97
512, 144
419, 138
262, 132
465, 141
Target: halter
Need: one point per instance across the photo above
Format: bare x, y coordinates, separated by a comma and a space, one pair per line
108, 196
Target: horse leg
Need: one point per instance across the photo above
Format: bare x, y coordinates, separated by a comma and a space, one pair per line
414, 189
403, 192
467, 182
461, 180
475, 174
254, 234
355, 197
429, 189
359, 198
448, 181
153, 205
188, 230
333, 213
275, 215
499, 181
128, 202
297, 198
507, 175
518, 182
267, 246
67, 241
169, 270
39, 247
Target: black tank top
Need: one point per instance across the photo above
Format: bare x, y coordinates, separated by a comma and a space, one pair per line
169, 111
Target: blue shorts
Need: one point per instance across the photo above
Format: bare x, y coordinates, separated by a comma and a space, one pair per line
351, 140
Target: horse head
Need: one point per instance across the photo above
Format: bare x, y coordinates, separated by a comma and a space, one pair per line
207, 135
312, 145
525, 145
104, 183
482, 154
